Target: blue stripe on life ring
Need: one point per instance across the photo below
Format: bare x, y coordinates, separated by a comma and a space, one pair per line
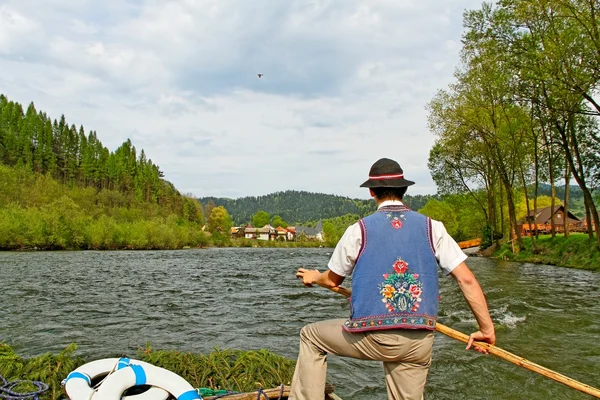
189, 395
140, 374
123, 362
79, 375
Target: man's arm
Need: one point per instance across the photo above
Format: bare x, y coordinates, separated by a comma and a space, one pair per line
342, 260
476, 300
327, 279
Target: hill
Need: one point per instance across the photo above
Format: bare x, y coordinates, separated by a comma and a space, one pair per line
300, 206
62, 189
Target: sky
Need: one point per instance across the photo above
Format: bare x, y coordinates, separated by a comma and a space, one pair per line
345, 82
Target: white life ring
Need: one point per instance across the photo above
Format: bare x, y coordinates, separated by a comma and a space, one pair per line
147, 374
78, 383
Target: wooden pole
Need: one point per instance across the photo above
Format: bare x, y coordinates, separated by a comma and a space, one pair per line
505, 355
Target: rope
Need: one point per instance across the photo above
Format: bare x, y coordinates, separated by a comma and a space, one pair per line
7, 392
260, 391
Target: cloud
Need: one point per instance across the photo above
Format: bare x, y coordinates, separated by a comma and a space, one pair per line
345, 83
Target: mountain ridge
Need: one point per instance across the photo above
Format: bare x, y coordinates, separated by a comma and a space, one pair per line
295, 206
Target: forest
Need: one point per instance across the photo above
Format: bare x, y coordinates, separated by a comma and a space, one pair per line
298, 207
521, 112
62, 189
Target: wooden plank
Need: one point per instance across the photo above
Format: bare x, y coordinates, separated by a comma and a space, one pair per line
469, 243
273, 393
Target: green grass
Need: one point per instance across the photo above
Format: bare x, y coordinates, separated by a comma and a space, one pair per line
236, 370
577, 251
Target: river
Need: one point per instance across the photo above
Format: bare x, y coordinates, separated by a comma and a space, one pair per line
195, 300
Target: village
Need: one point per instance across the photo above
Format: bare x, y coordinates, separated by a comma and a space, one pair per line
289, 234
541, 221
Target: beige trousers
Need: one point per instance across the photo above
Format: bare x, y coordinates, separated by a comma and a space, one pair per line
406, 356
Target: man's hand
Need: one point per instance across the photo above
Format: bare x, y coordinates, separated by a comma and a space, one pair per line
476, 300
481, 337
308, 276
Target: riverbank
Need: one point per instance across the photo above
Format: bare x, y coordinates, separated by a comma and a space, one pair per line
576, 251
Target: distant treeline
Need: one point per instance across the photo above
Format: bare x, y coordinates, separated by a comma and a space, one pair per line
296, 207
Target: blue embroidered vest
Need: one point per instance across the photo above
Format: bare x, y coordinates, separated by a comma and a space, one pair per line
395, 279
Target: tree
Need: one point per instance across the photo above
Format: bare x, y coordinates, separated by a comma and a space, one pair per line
330, 235
278, 221
210, 205
219, 220
192, 210
260, 219
441, 211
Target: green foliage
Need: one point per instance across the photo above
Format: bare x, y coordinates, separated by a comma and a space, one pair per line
488, 237
299, 207
334, 228
469, 214
219, 221
278, 221
48, 368
221, 239
38, 212
237, 370
442, 211
330, 234
260, 219
576, 251
251, 370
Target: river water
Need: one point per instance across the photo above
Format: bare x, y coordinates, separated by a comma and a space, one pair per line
195, 300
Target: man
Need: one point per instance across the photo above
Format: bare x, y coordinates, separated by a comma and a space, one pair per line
393, 257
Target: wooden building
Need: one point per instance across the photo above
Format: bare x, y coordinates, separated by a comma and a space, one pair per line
543, 221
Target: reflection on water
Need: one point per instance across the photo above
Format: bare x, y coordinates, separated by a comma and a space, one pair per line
195, 300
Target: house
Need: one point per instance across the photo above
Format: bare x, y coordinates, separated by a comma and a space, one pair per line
267, 232
282, 233
291, 233
542, 220
315, 233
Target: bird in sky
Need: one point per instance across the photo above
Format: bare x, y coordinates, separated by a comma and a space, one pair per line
260, 75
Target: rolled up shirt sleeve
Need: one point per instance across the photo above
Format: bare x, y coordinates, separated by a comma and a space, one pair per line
344, 255
447, 251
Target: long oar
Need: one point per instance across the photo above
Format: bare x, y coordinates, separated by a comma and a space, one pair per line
497, 351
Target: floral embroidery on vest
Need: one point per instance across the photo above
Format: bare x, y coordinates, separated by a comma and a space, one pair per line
401, 290
397, 219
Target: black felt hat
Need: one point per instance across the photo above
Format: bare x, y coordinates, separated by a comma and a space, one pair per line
386, 173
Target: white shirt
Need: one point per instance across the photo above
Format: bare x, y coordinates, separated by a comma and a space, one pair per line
447, 252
